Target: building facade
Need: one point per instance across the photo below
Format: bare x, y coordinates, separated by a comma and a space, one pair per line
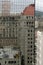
7, 31
39, 41
10, 56
27, 39
6, 6
19, 30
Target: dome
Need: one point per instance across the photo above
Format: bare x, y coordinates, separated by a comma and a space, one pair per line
29, 10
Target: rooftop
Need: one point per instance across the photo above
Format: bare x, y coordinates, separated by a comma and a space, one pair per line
8, 52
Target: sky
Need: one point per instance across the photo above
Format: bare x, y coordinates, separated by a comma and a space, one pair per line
39, 5
17, 5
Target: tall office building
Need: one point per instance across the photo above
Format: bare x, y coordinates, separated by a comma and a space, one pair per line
27, 35
6, 7
39, 51
39, 41
18, 30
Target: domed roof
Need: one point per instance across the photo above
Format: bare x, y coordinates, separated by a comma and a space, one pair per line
29, 10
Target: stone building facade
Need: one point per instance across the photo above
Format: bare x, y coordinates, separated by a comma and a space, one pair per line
19, 30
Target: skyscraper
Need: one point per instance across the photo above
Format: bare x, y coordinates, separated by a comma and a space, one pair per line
27, 35
6, 7
18, 30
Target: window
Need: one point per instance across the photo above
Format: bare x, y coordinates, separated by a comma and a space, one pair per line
28, 61
31, 38
28, 30
32, 22
28, 57
31, 30
31, 53
31, 42
28, 38
9, 32
5, 62
10, 62
32, 17
34, 51
28, 42
13, 32
27, 17
3, 32
13, 18
27, 23
28, 34
31, 58
0, 63
0, 52
29, 50
31, 46
14, 56
32, 26
0, 18
0, 35
14, 61
3, 22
